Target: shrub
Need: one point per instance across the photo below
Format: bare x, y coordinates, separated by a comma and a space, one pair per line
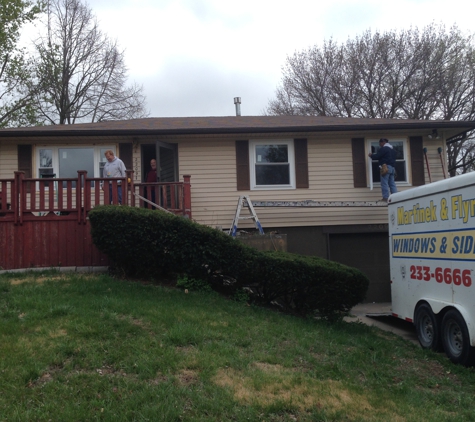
193, 284
146, 243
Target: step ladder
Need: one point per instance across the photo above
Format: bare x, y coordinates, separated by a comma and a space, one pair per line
244, 200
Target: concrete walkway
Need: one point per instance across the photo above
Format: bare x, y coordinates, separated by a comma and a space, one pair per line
379, 315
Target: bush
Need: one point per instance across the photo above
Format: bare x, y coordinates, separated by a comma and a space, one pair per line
306, 284
192, 284
145, 243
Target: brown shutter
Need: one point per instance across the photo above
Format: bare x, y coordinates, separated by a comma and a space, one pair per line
242, 165
359, 163
301, 163
125, 154
25, 160
417, 160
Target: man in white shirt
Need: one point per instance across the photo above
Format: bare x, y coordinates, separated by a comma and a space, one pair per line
113, 168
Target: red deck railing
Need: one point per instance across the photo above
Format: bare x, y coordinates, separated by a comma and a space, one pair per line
41, 197
43, 222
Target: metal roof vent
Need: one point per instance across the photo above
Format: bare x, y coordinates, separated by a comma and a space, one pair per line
237, 102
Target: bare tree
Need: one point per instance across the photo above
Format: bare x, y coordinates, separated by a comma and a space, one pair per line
428, 74
17, 83
82, 72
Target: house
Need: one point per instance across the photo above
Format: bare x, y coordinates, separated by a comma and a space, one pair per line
269, 158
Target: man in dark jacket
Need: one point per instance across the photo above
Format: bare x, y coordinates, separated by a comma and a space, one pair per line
149, 191
386, 155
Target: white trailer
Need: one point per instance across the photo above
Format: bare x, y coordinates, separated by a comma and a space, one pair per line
432, 260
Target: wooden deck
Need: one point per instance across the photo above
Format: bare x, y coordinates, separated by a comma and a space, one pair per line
44, 222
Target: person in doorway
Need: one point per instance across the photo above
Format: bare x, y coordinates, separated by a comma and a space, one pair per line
152, 174
151, 178
114, 167
386, 157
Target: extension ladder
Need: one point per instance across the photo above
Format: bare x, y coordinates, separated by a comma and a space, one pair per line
244, 200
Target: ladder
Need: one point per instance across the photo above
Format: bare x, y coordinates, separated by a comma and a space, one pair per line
244, 200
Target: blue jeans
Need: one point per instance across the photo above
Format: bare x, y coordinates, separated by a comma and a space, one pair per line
387, 182
119, 193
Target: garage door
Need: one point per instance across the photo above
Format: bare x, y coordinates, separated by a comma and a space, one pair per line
369, 252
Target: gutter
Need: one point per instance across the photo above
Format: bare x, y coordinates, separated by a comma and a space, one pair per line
456, 138
5, 133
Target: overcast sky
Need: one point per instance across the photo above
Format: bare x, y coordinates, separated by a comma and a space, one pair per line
194, 56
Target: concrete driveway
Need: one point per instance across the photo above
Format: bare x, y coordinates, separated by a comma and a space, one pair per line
379, 315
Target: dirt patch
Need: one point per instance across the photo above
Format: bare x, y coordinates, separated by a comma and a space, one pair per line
187, 350
427, 373
267, 367
44, 379
159, 379
134, 321
40, 279
58, 333
267, 384
187, 377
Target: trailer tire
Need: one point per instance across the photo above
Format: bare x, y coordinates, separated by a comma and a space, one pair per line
427, 328
456, 339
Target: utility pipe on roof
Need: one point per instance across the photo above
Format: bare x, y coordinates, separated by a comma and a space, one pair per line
237, 102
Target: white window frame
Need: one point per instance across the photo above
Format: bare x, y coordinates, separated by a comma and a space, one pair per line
253, 161
55, 155
405, 142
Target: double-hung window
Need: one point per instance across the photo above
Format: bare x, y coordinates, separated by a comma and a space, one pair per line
272, 164
400, 146
45, 162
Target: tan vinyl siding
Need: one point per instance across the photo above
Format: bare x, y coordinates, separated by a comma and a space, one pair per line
8, 160
436, 171
215, 196
212, 166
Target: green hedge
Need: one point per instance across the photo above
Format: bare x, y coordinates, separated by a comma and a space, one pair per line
145, 243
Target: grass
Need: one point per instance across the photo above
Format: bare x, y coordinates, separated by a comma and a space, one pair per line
91, 348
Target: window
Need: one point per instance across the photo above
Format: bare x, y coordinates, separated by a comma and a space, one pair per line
272, 164
73, 159
45, 162
102, 159
400, 146
64, 162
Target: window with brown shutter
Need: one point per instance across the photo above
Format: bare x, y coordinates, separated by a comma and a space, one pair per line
269, 156
416, 161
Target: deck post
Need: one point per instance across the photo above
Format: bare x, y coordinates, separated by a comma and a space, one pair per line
80, 201
187, 196
18, 197
129, 188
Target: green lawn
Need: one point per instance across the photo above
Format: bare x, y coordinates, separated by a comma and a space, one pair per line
89, 347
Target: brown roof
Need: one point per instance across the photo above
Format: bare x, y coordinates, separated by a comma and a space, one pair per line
233, 124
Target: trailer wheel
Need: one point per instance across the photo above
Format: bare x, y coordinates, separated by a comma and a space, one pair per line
456, 339
427, 328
